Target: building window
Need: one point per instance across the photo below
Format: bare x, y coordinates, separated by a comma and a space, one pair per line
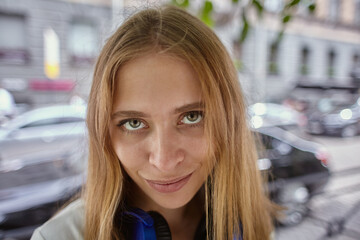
12, 39
273, 59
334, 10
83, 41
304, 66
331, 63
357, 13
356, 61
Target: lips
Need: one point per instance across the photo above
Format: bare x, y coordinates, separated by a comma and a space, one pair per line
169, 186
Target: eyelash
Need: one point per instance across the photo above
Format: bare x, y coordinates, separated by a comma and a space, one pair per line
123, 122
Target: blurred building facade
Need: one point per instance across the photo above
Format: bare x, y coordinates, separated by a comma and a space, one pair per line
48, 47
323, 47
63, 36
318, 48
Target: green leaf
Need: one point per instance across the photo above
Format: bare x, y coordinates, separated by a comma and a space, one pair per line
208, 7
181, 3
206, 15
259, 6
245, 29
312, 8
235, 1
293, 3
286, 19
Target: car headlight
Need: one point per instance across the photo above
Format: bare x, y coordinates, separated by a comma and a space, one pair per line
256, 122
346, 114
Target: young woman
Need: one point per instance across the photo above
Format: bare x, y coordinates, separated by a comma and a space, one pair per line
170, 150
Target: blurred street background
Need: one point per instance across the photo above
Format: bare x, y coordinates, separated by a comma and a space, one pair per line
340, 200
298, 62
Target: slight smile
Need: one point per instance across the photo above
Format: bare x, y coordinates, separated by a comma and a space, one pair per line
169, 186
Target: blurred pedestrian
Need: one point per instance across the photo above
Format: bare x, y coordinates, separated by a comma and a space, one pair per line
77, 100
7, 104
171, 155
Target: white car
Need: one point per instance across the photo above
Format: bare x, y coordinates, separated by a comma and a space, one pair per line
41, 132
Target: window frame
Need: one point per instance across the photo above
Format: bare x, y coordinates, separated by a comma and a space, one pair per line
79, 59
16, 55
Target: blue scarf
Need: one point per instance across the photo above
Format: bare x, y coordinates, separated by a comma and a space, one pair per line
137, 224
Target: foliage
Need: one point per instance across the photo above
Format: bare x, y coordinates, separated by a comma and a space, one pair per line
206, 13
241, 9
181, 3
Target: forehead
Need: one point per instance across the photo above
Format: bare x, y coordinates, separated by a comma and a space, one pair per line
156, 79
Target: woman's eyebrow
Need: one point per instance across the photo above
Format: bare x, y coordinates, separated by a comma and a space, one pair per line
189, 107
131, 114
137, 114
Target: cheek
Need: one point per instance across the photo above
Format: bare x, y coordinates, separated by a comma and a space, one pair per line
197, 149
200, 153
130, 156
129, 151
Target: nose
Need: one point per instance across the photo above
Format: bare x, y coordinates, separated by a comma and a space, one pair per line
166, 152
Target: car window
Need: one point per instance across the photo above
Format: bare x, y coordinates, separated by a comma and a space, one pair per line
69, 120
270, 143
267, 141
281, 147
52, 121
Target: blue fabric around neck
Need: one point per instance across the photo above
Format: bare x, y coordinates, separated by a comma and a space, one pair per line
143, 226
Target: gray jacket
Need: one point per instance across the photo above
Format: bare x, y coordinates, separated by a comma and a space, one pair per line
68, 224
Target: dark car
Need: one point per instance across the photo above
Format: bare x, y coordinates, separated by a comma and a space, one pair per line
332, 119
298, 169
305, 96
32, 194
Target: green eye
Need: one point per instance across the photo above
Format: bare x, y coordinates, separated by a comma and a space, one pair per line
192, 118
133, 124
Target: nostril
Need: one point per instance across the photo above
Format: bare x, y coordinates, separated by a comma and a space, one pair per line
166, 161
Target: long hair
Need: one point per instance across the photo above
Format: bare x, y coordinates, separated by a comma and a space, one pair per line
234, 191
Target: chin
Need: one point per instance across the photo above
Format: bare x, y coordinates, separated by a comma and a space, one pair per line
173, 202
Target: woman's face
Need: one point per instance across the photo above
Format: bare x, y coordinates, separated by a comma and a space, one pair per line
157, 130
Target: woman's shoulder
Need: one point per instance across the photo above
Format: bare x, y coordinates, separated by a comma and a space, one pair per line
68, 224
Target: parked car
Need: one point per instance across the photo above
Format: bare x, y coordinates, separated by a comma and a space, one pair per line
43, 157
272, 114
306, 95
332, 119
298, 169
31, 193
46, 130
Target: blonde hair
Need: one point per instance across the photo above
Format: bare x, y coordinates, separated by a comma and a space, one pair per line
234, 193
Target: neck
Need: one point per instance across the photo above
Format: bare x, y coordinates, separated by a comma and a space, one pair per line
182, 221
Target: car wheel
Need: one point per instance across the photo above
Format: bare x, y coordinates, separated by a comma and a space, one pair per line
349, 131
293, 214
294, 198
